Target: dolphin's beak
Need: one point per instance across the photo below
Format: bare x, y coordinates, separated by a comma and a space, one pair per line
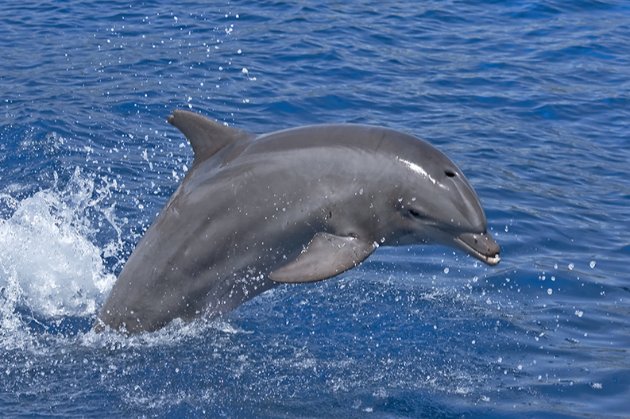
482, 246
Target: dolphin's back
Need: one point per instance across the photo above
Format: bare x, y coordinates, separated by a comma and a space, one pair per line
350, 136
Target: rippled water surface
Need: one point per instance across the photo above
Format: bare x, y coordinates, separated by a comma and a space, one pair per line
530, 98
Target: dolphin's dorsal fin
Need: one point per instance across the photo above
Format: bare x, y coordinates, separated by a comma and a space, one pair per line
206, 137
325, 256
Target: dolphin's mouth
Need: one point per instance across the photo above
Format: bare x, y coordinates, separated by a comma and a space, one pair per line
481, 246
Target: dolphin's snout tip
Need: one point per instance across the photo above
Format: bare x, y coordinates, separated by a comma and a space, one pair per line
481, 246
493, 260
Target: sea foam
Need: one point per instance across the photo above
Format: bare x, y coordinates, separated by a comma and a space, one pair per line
49, 263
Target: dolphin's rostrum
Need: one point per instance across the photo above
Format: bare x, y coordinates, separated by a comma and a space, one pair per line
297, 205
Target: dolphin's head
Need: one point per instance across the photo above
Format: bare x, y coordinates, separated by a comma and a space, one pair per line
436, 204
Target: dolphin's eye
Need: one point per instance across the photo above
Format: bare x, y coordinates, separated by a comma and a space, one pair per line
450, 173
415, 213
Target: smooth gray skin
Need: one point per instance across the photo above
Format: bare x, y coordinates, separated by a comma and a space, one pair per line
297, 205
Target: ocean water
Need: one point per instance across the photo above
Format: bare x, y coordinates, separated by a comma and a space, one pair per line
530, 98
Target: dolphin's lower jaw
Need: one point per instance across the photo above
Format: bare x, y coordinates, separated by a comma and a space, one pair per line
481, 246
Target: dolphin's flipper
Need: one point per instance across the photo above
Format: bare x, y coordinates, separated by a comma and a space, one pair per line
325, 256
206, 136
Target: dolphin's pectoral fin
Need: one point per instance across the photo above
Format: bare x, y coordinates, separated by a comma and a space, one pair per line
325, 256
206, 136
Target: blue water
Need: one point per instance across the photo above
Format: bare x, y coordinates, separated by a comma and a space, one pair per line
530, 98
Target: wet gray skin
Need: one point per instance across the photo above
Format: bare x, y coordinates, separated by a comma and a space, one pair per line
293, 206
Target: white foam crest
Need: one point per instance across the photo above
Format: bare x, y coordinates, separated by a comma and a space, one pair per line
12, 334
48, 263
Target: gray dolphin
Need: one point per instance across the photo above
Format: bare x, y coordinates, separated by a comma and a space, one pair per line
293, 206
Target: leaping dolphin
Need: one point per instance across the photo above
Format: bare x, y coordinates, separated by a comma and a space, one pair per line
297, 205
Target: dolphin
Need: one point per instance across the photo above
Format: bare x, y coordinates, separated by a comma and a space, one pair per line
293, 206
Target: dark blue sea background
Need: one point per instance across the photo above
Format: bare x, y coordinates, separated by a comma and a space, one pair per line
530, 98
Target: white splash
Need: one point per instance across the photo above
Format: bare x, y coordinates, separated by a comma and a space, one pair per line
48, 265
